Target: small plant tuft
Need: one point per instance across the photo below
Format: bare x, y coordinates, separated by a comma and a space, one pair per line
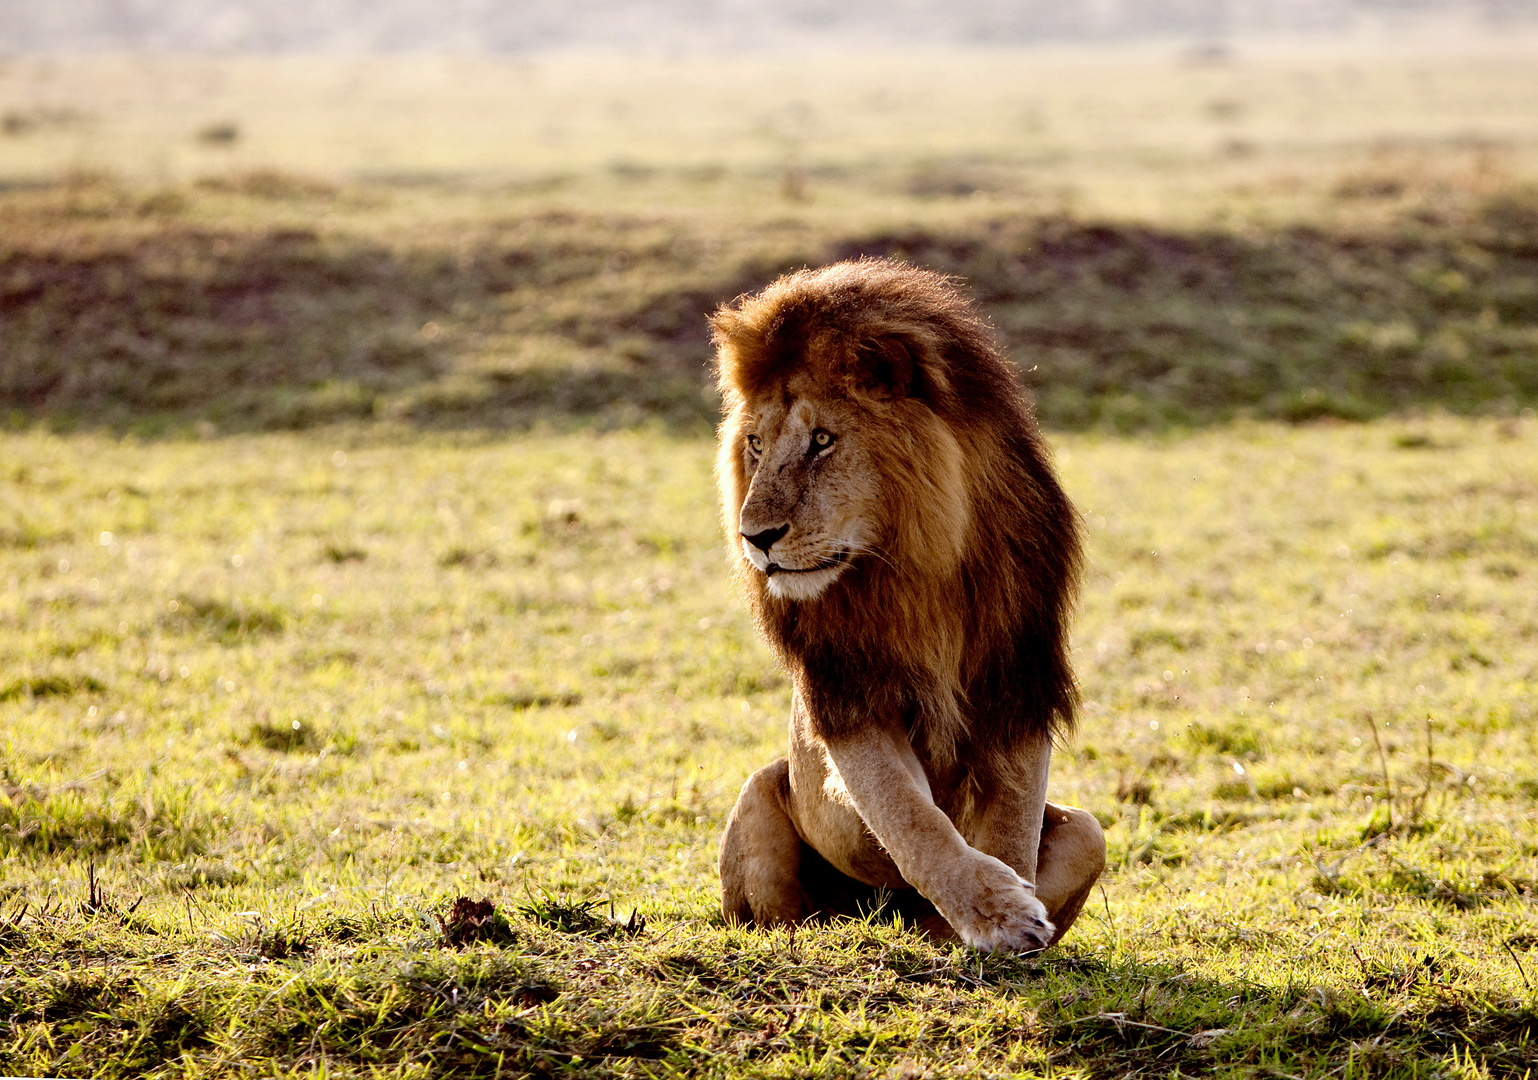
50, 686
468, 921
581, 917
277, 942
284, 737
343, 553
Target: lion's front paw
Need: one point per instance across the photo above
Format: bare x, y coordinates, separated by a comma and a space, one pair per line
993, 909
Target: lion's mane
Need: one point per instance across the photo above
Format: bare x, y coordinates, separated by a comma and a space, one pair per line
958, 623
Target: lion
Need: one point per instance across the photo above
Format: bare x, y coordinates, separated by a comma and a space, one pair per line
896, 527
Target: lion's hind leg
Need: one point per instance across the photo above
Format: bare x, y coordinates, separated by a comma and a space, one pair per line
761, 854
771, 877
1068, 862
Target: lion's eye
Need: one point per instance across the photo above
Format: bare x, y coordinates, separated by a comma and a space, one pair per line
755, 443
821, 439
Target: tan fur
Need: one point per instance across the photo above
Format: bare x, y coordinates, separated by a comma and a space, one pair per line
895, 525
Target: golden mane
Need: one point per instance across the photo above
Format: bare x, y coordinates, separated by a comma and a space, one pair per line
959, 621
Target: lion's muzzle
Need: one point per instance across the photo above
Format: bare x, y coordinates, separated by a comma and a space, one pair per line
765, 540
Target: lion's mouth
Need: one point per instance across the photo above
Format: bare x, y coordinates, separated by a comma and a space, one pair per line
837, 559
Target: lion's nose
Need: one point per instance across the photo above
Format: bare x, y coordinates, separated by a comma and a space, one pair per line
765, 540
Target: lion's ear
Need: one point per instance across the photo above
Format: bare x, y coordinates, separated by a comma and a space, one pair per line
888, 368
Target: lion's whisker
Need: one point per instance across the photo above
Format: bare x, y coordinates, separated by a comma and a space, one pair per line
855, 548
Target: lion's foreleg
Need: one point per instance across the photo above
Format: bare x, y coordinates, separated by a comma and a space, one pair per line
1006, 820
761, 854
1060, 848
989, 905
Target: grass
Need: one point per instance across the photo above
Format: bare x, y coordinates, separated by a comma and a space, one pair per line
1282, 235
249, 777
371, 694
1151, 131
503, 322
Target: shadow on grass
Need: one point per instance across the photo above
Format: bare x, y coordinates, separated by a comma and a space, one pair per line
561, 319
521, 1007
1127, 1018
287, 329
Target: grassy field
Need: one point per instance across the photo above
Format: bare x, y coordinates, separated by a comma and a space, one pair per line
272, 701
1154, 131
358, 558
260, 302
1160, 239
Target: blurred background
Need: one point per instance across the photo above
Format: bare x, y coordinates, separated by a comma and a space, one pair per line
1176, 212
169, 89
524, 26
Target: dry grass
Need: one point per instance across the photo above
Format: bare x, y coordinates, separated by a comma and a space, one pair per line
1137, 132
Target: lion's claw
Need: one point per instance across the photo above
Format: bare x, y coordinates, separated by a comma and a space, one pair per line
999, 912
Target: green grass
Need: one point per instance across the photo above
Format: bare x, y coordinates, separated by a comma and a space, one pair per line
358, 558
483, 320
485, 245
274, 700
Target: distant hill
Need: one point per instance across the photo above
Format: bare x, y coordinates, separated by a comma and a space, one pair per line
513, 26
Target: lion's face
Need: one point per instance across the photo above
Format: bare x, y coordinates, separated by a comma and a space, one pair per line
812, 504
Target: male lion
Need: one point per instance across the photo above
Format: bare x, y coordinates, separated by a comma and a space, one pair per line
907, 551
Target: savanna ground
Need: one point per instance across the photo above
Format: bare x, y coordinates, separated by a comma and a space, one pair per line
358, 553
